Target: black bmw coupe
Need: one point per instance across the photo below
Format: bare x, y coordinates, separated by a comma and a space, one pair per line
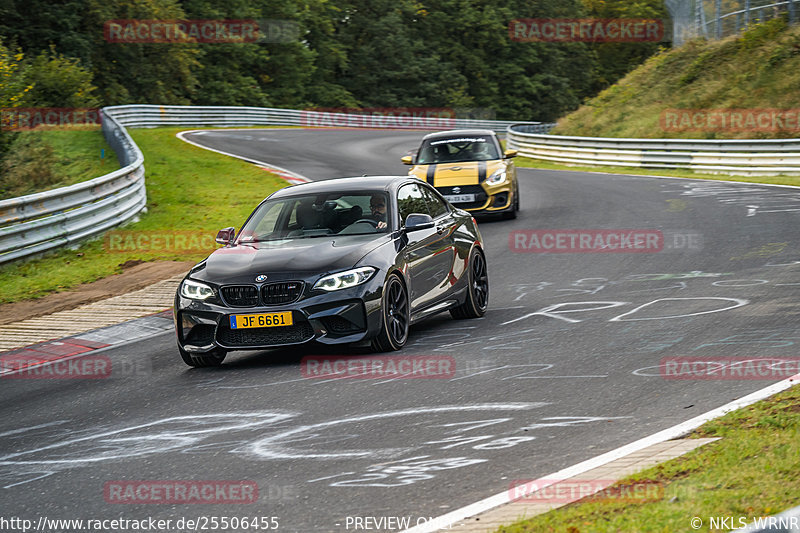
336, 261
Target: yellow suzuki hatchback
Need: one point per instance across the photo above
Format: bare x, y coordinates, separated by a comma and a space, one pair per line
470, 169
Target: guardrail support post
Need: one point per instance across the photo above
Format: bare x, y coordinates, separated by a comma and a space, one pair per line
698, 22
746, 14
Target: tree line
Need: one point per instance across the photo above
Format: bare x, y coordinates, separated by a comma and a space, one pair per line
348, 53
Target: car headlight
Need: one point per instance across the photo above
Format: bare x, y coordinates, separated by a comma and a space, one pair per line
196, 290
498, 176
345, 280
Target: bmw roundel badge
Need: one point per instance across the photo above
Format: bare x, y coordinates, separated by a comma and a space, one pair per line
260, 278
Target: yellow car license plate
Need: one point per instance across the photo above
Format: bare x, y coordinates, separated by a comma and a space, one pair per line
261, 320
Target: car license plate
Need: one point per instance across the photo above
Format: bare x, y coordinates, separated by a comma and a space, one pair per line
261, 320
460, 198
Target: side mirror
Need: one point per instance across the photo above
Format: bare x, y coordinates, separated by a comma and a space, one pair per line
225, 236
407, 160
417, 221
508, 154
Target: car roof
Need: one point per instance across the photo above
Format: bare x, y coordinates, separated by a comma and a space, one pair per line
359, 183
455, 133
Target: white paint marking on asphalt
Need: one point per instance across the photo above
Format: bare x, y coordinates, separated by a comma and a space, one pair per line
273, 446
293, 177
161, 436
737, 302
549, 311
700, 181
446, 520
330, 477
32, 428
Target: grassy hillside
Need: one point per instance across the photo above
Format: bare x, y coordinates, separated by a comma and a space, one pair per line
46, 159
759, 69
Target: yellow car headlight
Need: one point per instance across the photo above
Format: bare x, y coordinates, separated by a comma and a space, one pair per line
497, 177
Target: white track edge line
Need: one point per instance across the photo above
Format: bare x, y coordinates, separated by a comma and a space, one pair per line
447, 520
295, 175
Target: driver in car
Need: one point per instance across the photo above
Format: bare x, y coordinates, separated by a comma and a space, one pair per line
377, 204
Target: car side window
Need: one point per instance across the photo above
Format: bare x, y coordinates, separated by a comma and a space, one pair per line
410, 199
436, 206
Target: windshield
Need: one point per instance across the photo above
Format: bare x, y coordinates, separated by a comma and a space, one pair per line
318, 215
458, 149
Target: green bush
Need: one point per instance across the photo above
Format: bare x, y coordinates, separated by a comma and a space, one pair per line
58, 81
47, 80
762, 33
27, 167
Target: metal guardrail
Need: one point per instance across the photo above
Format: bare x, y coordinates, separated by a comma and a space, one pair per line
715, 19
741, 157
147, 116
42, 221
750, 12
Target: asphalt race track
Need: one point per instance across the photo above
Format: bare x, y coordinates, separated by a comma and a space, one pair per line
564, 366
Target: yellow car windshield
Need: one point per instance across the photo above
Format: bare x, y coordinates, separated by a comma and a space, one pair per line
457, 149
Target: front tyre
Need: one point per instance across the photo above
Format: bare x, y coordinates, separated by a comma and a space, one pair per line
478, 292
510, 215
395, 316
212, 358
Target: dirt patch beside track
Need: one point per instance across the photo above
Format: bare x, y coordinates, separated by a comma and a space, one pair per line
132, 278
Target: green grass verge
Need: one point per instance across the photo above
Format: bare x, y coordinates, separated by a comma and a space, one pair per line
759, 69
751, 472
525, 162
65, 156
81, 154
191, 191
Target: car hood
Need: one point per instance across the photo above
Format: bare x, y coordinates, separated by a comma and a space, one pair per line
286, 259
461, 173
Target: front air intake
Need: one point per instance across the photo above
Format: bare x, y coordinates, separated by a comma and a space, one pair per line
240, 295
281, 293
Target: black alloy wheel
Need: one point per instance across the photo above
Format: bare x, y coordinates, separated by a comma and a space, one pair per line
396, 317
478, 292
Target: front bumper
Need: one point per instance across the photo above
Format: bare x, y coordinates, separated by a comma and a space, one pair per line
336, 317
488, 198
